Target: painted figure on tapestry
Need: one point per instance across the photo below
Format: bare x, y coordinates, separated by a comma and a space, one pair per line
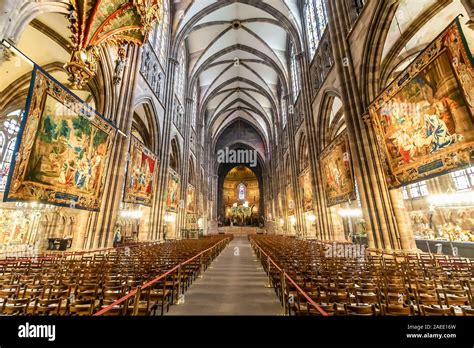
64, 147
68, 151
140, 174
337, 171
424, 119
172, 200
305, 184
428, 115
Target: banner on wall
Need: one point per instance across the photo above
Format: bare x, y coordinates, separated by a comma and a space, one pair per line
306, 190
424, 119
336, 167
290, 200
190, 199
62, 149
140, 178
173, 197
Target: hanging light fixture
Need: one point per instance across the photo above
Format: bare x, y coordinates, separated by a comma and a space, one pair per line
98, 22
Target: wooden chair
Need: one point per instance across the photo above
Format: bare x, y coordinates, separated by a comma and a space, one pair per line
47, 307
452, 297
81, 307
363, 310
161, 296
394, 310
432, 311
142, 304
15, 306
117, 310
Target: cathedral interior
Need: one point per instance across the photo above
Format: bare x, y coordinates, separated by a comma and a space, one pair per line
327, 145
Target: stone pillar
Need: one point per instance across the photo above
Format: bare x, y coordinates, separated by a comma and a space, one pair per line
103, 223
160, 198
386, 224
323, 228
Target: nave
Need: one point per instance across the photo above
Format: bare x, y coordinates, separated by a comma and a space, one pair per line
236, 157
234, 284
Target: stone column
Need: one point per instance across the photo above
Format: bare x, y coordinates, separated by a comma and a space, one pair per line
103, 223
386, 225
323, 229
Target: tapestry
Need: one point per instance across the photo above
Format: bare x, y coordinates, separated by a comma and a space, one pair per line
424, 119
172, 198
140, 174
306, 190
62, 149
336, 167
190, 200
290, 200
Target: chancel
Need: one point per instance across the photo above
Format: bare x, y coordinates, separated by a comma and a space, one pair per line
180, 157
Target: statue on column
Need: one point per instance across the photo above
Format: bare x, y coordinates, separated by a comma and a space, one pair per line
154, 77
158, 85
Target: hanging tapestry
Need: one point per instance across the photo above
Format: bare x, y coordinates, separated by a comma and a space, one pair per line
172, 198
190, 200
62, 149
307, 191
424, 119
140, 174
337, 171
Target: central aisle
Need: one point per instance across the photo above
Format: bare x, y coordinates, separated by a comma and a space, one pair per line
233, 285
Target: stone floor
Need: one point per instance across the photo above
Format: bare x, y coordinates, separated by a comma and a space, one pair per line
233, 285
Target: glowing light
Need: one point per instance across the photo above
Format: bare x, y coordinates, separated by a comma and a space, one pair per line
311, 218
348, 213
169, 218
293, 220
132, 214
459, 198
282, 222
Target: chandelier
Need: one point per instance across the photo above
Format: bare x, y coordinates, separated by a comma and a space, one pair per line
98, 22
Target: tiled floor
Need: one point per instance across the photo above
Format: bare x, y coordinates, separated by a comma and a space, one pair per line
234, 285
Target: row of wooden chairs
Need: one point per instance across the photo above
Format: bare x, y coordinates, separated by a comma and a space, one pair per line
85, 285
408, 283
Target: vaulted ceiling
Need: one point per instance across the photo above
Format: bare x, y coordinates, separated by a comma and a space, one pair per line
237, 53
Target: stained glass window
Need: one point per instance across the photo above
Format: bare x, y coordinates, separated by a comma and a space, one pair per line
316, 19
241, 191
5, 167
194, 111
419, 189
463, 179
284, 112
160, 35
295, 76
181, 75
8, 135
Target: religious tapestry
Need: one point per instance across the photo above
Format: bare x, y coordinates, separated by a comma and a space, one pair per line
337, 171
140, 174
173, 196
306, 190
290, 200
62, 149
424, 119
190, 200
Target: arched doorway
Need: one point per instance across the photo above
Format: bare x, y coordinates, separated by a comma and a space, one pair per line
240, 201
